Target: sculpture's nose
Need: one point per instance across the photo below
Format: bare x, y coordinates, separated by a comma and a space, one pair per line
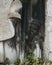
14, 15
14, 9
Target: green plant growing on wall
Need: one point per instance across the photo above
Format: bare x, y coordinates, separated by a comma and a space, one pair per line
48, 63
25, 62
6, 61
17, 61
29, 60
38, 61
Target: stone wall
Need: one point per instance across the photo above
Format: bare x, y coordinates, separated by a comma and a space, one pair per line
5, 50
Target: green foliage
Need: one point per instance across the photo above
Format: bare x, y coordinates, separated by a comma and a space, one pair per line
17, 61
6, 61
30, 57
30, 60
25, 62
48, 63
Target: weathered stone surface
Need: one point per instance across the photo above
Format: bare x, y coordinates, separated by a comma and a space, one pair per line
48, 30
50, 41
10, 52
49, 22
6, 27
49, 7
50, 55
37, 51
1, 52
6, 30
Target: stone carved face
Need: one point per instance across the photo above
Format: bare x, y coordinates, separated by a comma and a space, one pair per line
6, 27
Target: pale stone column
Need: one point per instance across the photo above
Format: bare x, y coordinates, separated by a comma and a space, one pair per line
48, 31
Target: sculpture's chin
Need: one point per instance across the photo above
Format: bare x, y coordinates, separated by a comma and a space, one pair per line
6, 30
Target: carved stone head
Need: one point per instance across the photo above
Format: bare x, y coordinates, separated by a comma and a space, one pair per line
8, 8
